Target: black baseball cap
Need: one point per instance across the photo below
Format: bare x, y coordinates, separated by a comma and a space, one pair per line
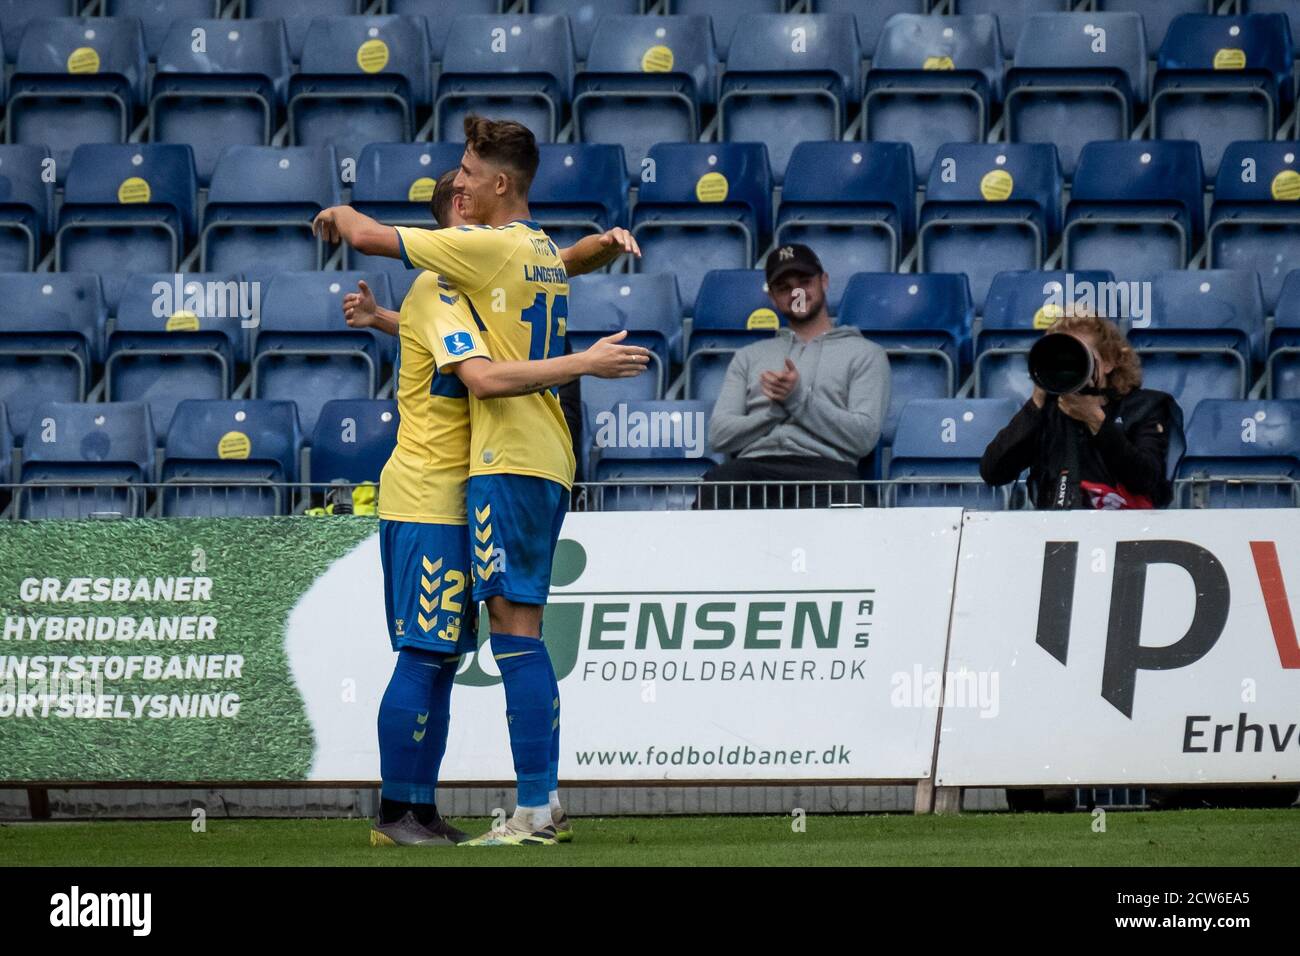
795, 257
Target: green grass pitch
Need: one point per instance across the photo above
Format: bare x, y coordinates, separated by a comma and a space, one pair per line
1173, 838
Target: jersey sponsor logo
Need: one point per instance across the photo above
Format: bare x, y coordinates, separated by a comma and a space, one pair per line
458, 343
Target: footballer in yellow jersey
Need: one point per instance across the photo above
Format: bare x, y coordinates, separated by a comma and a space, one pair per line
423, 537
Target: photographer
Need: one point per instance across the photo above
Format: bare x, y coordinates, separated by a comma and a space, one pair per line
1103, 446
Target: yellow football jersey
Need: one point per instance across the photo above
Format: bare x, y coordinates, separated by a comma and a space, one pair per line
518, 292
425, 477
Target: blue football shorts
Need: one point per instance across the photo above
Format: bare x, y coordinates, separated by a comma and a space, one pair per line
427, 586
514, 525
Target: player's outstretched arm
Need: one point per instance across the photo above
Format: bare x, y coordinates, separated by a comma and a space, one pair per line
368, 236
605, 359
362, 311
595, 252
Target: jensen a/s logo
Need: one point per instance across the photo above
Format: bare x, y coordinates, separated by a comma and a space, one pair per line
1125, 653
791, 636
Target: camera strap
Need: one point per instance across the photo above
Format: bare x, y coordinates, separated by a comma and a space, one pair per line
1066, 493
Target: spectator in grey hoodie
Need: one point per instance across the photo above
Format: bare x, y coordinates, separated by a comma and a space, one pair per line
804, 406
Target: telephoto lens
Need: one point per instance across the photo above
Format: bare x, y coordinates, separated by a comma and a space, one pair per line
1060, 364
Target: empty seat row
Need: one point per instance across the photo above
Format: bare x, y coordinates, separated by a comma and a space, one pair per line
1135, 207
220, 457
1076, 77
869, 18
185, 337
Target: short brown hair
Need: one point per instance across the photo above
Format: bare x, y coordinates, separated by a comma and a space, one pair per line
443, 194
1111, 345
505, 143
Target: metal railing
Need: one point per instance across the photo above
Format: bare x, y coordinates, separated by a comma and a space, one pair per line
221, 497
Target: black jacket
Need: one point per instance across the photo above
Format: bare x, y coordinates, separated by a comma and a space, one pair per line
1130, 449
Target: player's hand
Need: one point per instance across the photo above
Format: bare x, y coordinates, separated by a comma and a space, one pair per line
608, 359
359, 307
779, 386
622, 238
325, 225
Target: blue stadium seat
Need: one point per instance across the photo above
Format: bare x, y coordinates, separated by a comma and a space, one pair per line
363, 80
990, 208
871, 18
399, 284
506, 67
937, 451
790, 78
646, 81
228, 94
725, 15
1011, 15
352, 440
26, 206
6, 455
51, 340
1282, 372
440, 14
156, 16
924, 324
173, 341
585, 16
1255, 219
398, 179
128, 207
648, 307
15, 15
303, 350
227, 457
395, 183
853, 203
708, 206
580, 188
1243, 453
1287, 7
1135, 207
667, 442
732, 310
1077, 77
1156, 15
1222, 79
1205, 329
1019, 308
260, 208
934, 80
297, 16
84, 459
77, 80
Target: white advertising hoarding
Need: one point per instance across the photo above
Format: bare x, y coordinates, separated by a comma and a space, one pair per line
777, 645
1142, 647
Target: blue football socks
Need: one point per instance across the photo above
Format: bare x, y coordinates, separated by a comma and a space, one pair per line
527, 675
413, 719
